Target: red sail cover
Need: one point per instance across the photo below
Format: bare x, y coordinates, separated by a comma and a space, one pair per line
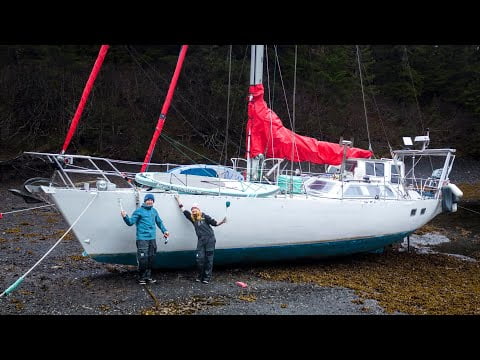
86, 92
265, 126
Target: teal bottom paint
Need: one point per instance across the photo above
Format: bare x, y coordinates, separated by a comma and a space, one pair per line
186, 259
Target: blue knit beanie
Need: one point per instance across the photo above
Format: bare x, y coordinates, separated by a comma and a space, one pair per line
149, 197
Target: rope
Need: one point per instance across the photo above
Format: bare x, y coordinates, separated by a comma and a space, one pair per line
239, 146
179, 95
228, 104
315, 93
283, 86
292, 125
413, 86
270, 102
20, 279
15, 211
180, 151
476, 212
186, 147
363, 96
157, 303
294, 147
379, 116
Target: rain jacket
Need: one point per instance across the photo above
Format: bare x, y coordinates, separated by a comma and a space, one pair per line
145, 217
202, 226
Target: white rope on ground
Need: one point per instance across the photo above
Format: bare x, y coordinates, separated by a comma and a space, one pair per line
15, 211
20, 279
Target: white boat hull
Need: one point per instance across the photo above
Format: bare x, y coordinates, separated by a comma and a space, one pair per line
273, 228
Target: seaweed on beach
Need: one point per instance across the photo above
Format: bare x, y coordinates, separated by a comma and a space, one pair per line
401, 282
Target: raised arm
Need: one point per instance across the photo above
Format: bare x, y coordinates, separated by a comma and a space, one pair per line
187, 213
180, 205
130, 220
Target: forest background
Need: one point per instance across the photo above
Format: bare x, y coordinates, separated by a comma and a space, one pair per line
318, 93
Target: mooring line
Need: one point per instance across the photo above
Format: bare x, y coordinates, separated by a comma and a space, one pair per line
15, 211
157, 303
20, 279
476, 212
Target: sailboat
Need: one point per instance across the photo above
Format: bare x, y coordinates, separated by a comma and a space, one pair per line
365, 206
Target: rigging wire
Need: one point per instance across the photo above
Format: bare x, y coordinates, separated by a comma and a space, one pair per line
172, 141
415, 95
228, 104
390, 148
413, 86
177, 95
317, 107
158, 88
284, 92
363, 96
294, 147
239, 147
283, 85
270, 105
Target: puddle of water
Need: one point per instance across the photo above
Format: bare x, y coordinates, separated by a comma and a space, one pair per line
423, 243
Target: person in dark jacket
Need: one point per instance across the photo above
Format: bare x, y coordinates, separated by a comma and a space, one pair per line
145, 218
206, 239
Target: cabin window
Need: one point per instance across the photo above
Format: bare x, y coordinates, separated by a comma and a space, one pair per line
386, 192
320, 186
369, 168
423, 211
354, 191
373, 190
380, 192
333, 170
413, 212
379, 169
395, 179
375, 169
350, 165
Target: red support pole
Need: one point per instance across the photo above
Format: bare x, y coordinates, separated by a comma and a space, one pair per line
86, 93
166, 105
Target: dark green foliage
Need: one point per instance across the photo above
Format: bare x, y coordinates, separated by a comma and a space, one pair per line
407, 89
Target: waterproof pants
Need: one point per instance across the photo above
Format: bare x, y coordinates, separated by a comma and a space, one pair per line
204, 257
146, 250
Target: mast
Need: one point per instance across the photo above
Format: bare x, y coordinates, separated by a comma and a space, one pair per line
256, 77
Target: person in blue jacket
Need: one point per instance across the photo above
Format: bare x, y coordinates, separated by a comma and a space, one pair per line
145, 218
